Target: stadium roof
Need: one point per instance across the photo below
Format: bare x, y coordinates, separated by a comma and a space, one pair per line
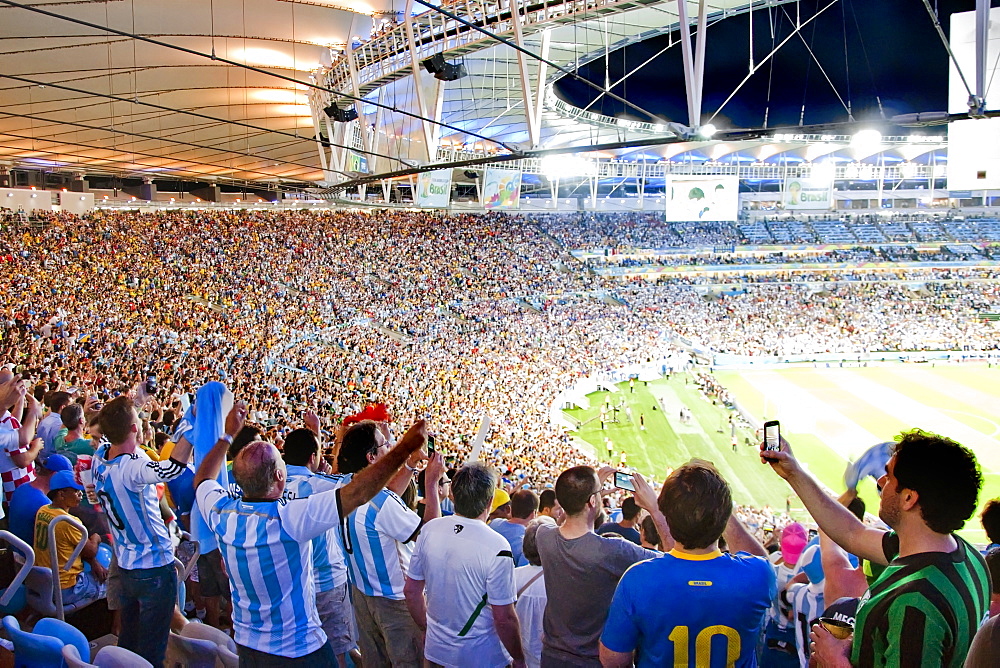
219, 89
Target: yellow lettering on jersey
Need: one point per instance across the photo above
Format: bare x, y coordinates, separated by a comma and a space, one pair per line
700, 583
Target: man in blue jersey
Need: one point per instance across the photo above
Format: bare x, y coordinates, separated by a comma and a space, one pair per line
125, 481
308, 474
694, 605
378, 539
266, 543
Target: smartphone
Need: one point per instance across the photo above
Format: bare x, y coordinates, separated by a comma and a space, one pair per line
151, 385
430, 444
623, 480
772, 435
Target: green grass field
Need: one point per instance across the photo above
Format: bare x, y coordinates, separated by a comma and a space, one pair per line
828, 415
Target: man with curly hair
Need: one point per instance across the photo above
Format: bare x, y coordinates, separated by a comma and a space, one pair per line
927, 605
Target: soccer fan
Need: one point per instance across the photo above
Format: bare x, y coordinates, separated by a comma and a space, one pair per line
986, 644
779, 629
308, 474
694, 605
547, 504
908, 616
378, 539
27, 499
523, 506
806, 599
78, 585
73, 443
266, 542
467, 573
626, 526
19, 413
531, 601
991, 522
50, 425
125, 481
649, 536
582, 569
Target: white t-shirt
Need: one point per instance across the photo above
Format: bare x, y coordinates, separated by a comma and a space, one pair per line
466, 568
530, 611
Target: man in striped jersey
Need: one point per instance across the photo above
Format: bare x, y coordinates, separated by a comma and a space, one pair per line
125, 481
308, 473
925, 608
378, 540
265, 541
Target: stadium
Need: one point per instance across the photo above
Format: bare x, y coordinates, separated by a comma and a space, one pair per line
298, 292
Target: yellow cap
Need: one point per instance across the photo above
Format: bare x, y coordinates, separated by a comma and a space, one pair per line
500, 497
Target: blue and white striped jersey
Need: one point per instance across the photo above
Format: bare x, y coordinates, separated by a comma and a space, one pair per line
374, 539
807, 607
126, 488
268, 554
328, 558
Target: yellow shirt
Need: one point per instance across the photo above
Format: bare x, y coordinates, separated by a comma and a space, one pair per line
67, 538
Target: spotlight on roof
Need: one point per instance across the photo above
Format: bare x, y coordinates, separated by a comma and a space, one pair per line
707, 131
867, 140
442, 69
341, 114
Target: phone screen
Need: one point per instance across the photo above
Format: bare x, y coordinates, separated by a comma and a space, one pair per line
623, 480
430, 445
772, 435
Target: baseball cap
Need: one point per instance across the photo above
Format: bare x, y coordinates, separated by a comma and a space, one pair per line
793, 541
57, 463
500, 497
64, 480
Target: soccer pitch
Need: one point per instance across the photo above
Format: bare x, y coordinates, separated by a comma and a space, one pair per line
829, 415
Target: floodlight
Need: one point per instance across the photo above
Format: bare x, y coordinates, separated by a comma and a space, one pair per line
707, 131
867, 140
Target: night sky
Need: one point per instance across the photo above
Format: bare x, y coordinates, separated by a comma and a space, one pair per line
893, 52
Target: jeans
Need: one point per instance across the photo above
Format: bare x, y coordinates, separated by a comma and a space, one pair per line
148, 597
321, 658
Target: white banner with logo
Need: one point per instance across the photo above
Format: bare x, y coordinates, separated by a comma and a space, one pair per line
434, 189
702, 198
501, 189
804, 194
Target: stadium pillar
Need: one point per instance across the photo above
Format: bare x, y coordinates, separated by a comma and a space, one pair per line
532, 108
429, 129
210, 193
79, 184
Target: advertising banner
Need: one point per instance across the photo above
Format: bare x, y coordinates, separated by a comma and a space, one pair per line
434, 188
702, 198
501, 189
808, 194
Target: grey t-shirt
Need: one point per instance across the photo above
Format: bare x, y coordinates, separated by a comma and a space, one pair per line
580, 579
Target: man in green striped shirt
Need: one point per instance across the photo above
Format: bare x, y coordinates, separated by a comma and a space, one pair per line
927, 605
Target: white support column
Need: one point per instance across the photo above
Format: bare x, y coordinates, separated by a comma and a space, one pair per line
377, 134
684, 24
530, 114
352, 65
699, 63
982, 47
337, 154
427, 127
327, 176
543, 71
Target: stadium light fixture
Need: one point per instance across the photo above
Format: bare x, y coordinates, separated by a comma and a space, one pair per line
707, 131
867, 140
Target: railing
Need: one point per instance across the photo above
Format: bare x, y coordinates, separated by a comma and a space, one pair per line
57, 595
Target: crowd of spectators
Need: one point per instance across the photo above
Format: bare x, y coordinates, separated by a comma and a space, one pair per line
116, 324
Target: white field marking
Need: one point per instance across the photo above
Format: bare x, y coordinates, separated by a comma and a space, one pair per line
967, 394
800, 411
980, 418
917, 414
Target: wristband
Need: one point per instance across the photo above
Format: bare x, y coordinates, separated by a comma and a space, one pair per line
227, 438
409, 468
